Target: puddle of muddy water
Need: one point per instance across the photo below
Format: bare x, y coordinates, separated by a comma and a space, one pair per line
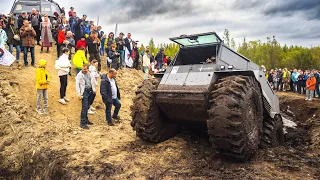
288, 122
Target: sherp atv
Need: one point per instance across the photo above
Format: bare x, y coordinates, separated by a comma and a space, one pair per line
230, 94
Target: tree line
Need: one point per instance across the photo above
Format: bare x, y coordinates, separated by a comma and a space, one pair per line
269, 53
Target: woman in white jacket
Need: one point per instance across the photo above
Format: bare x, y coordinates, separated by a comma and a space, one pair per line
63, 65
146, 64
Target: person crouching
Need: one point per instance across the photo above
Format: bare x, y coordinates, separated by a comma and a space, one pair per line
42, 83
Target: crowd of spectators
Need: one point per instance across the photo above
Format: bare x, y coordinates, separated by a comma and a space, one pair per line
299, 81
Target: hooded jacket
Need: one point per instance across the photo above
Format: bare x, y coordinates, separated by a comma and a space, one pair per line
42, 75
61, 37
81, 43
105, 90
311, 82
79, 59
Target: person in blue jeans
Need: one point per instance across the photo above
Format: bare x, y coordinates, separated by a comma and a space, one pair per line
11, 32
86, 91
27, 35
110, 95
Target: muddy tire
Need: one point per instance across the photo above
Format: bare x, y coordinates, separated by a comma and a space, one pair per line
148, 120
235, 117
272, 134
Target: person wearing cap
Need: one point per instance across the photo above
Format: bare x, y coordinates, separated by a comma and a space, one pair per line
42, 83
93, 43
120, 48
79, 59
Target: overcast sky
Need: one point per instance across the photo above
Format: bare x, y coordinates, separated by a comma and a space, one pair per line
294, 22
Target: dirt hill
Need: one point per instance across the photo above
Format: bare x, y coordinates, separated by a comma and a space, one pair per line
55, 147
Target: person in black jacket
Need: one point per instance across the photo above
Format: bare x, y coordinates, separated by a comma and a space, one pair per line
93, 43
11, 31
110, 95
77, 29
21, 18
159, 58
128, 43
136, 56
113, 56
36, 19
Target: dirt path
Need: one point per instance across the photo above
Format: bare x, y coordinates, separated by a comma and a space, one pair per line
54, 147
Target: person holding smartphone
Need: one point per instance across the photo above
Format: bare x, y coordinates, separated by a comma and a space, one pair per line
27, 35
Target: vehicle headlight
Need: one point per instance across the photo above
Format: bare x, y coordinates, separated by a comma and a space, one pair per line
230, 67
222, 67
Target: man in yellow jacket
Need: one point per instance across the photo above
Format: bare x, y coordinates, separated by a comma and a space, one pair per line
42, 82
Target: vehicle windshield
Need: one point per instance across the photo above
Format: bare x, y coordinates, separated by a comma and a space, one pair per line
194, 40
25, 7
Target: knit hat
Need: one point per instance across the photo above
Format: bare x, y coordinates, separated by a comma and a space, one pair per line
42, 63
311, 75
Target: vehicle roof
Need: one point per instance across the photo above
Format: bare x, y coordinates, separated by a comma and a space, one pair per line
186, 40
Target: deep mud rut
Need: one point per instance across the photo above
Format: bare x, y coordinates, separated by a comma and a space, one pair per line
54, 147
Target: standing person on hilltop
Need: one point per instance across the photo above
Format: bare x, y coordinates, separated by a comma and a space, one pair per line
27, 35
46, 35
63, 65
73, 21
70, 13
110, 95
146, 64
136, 56
93, 71
120, 48
79, 59
11, 32
85, 89
36, 19
93, 44
63, 11
113, 55
294, 77
64, 25
21, 18
128, 43
42, 83
109, 41
286, 79
159, 58
69, 43
300, 82
78, 28
311, 86
61, 40
103, 40
317, 76
3, 37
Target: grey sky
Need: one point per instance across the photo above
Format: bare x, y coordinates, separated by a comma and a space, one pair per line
293, 22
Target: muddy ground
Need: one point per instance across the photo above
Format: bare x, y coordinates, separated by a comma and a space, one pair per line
54, 147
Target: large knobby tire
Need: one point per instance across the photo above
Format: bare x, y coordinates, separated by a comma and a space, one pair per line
235, 117
148, 120
272, 134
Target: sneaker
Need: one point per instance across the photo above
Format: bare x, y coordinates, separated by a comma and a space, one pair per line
84, 126
306, 99
89, 122
92, 108
39, 111
309, 99
110, 124
45, 111
116, 118
90, 112
66, 99
62, 101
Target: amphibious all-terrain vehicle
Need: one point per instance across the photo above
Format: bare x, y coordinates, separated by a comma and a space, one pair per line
209, 82
44, 6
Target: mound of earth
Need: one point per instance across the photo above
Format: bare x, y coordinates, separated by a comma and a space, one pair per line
55, 147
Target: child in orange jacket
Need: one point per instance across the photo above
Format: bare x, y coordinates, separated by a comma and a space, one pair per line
311, 86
